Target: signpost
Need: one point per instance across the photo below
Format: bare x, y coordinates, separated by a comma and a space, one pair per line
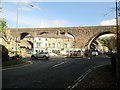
118, 39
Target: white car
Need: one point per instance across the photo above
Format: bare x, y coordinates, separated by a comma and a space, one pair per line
53, 54
94, 53
43, 55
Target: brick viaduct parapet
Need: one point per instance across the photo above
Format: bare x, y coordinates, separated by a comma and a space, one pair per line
83, 35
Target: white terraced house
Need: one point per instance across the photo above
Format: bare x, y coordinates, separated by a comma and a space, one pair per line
53, 43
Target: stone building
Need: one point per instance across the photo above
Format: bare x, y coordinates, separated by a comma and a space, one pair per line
53, 43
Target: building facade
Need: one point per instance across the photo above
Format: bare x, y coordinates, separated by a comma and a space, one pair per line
53, 43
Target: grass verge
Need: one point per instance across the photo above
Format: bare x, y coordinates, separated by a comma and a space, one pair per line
11, 63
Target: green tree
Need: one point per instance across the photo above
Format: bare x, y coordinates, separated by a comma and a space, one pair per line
2, 25
109, 42
113, 43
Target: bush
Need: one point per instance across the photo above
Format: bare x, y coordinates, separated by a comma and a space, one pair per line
5, 56
16, 57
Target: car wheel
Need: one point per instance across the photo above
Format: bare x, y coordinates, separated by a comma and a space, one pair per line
45, 57
32, 57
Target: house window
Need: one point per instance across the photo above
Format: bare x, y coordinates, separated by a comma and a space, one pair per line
46, 45
37, 44
53, 44
57, 45
49, 45
36, 51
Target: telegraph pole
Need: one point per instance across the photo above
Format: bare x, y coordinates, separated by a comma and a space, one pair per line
118, 44
0, 18
0, 8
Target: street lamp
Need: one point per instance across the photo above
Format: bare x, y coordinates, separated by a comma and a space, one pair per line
17, 22
0, 9
16, 27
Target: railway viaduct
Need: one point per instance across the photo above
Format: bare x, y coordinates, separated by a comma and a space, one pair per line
83, 36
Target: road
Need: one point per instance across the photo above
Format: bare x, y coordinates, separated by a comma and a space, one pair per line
53, 73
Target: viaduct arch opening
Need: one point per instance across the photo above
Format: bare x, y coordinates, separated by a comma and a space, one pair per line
92, 41
27, 38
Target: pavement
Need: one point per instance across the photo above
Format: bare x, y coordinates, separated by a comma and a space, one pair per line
101, 77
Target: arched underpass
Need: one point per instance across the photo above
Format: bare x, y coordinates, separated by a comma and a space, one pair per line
93, 39
103, 42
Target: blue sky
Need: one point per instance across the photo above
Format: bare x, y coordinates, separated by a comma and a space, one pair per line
58, 14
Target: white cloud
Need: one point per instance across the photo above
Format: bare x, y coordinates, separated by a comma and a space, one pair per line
24, 20
59, 22
53, 23
108, 22
43, 24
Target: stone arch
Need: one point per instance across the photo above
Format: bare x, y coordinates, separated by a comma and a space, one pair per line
93, 38
31, 43
62, 32
95, 42
42, 33
67, 33
24, 34
71, 34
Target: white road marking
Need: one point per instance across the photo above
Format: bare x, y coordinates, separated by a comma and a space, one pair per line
74, 86
82, 77
79, 80
68, 87
59, 64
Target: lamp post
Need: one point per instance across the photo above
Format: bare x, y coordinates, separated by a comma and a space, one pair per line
31, 5
16, 26
0, 9
0, 18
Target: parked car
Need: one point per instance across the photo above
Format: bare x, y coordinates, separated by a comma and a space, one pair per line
43, 55
86, 53
52, 54
94, 53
